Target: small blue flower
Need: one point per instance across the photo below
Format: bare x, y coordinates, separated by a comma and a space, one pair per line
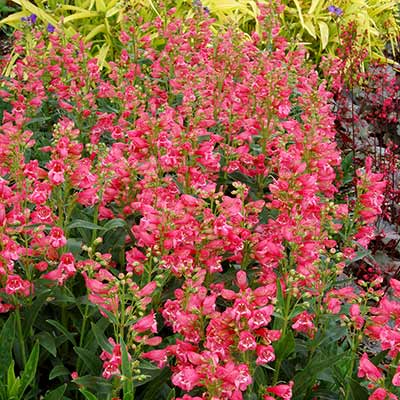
31, 19
335, 10
50, 28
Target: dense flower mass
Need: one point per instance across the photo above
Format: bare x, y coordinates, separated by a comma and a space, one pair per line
190, 199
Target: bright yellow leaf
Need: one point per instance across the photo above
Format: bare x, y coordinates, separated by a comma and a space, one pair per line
81, 15
324, 31
41, 14
112, 11
95, 31
308, 24
102, 55
14, 19
101, 6
314, 5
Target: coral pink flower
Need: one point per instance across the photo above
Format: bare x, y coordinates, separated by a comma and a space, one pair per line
148, 289
110, 368
396, 377
355, 316
56, 172
265, 354
382, 394
368, 370
4, 307
283, 391
187, 378
40, 193
246, 341
395, 284
113, 361
303, 323
88, 197
157, 356
261, 317
56, 237
147, 323
16, 285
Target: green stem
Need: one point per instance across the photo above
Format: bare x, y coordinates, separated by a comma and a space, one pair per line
95, 220
20, 336
83, 328
279, 360
350, 372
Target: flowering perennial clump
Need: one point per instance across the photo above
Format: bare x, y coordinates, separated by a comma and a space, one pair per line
189, 199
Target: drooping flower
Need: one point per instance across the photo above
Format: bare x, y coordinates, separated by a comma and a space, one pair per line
368, 370
147, 323
283, 391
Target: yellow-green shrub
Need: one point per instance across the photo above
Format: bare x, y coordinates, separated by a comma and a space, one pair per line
306, 21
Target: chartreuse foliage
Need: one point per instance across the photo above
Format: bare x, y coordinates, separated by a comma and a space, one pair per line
315, 23
318, 24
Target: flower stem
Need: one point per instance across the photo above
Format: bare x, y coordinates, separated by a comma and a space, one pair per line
352, 362
20, 336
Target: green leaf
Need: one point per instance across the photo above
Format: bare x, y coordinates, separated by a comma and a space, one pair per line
149, 371
347, 168
115, 223
30, 369
171, 395
3, 391
357, 391
110, 315
94, 383
250, 396
74, 246
61, 328
7, 337
31, 313
360, 254
158, 387
324, 394
285, 346
56, 394
80, 223
306, 378
11, 380
58, 370
47, 341
378, 358
101, 338
144, 61
92, 362
87, 394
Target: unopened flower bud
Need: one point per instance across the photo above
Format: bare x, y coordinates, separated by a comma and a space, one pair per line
97, 241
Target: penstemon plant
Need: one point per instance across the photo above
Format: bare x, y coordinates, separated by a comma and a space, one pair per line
174, 228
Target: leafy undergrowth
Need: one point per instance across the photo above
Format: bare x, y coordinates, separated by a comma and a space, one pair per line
178, 227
